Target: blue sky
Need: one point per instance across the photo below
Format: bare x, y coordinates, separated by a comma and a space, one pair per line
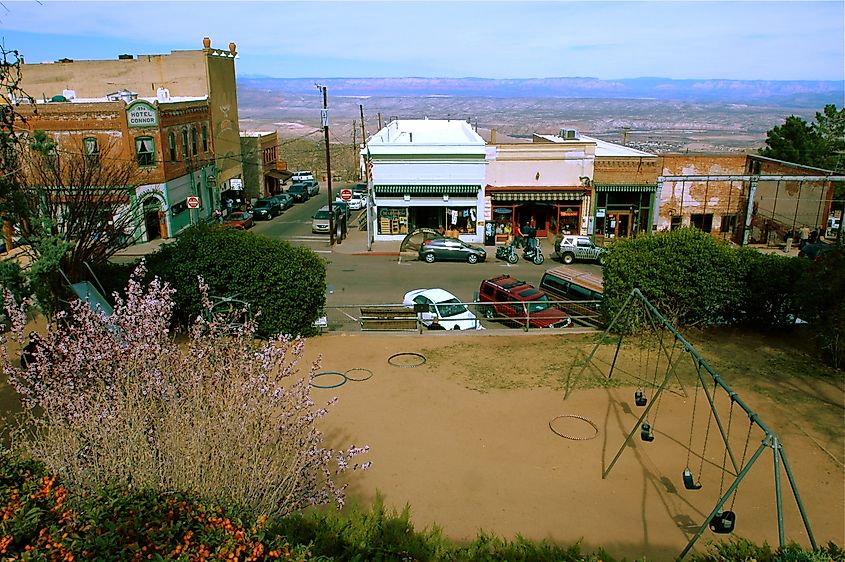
784, 40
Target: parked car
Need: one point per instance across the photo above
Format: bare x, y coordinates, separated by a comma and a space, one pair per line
359, 188
415, 239
519, 302
441, 310
570, 248
320, 221
299, 192
285, 200
266, 208
816, 251
582, 291
239, 219
313, 187
358, 201
302, 175
451, 249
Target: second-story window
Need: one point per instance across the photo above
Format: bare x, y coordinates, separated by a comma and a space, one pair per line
172, 141
92, 150
204, 138
145, 151
185, 143
193, 141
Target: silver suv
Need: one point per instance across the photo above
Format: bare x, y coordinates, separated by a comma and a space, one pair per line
570, 248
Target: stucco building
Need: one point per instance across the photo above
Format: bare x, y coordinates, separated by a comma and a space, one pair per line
426, 173
207, 73
264, 173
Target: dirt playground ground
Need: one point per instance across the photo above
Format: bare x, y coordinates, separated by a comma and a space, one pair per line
469, 439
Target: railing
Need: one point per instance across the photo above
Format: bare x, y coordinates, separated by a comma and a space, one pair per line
398, 317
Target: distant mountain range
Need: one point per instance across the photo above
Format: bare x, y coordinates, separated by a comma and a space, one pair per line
797, 93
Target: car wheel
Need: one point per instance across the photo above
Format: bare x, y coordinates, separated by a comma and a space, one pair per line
568, 258
600, 259
429, 258
472, 258
488, 312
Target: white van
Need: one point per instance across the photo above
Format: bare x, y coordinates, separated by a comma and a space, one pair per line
302, 176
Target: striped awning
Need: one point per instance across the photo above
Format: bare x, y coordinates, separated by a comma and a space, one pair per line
427, 189
625, 187
537, 196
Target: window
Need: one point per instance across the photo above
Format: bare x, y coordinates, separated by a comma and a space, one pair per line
185, 143
193, 141
92, 151
728, 224
676, 223
145, 151
204, 138
172, 147
702, 221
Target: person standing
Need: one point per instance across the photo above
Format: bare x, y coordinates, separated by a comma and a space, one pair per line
518, 236
531, 236
805, 236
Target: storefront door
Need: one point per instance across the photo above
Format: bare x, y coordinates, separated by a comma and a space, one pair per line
623, 225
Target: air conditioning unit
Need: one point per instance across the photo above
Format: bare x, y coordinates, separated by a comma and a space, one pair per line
571, 134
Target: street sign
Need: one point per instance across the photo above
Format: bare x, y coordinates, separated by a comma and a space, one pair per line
346, 194
193, 202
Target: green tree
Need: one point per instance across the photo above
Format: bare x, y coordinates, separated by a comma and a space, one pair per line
287, 284
820, 144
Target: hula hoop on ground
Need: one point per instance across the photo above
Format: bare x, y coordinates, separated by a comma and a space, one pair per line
420, 358
342, 376
364, 378
574, 438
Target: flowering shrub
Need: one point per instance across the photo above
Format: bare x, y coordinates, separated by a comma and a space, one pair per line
115, 400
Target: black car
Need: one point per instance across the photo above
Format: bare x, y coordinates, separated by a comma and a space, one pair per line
299, 191
285, 200
450, 249
266, 208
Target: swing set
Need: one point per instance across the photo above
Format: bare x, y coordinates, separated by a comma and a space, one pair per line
722, 519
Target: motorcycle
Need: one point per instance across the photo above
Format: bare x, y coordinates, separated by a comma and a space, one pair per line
534, 254
507, 253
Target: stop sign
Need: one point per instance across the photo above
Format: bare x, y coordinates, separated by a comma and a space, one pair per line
193, 202
346, 194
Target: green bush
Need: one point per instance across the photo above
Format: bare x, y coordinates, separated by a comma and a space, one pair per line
687, 274
821, 302
285, 283
769, 288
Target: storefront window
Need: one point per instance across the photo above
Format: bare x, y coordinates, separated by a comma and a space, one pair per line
460, 219
569, 220
393, 220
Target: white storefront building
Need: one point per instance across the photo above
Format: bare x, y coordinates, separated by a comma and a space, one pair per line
426, 173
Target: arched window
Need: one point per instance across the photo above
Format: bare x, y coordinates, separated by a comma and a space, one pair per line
193, 141
92, 150
145, 150
185, 143
204, 138
172, 140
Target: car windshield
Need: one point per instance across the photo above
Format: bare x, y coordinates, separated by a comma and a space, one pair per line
451, 307
259, 204
539, 305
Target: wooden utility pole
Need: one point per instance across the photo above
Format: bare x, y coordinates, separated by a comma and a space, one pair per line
325, 122
355, 147
363, 139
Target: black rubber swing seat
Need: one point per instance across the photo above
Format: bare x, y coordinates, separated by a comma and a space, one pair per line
723, 523
645, 433
689, 483
640, 399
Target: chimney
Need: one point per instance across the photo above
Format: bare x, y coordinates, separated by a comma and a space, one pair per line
493, 135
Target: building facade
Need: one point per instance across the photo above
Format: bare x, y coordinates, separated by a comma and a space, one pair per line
264, 173
166, 138
207, 73
426, 173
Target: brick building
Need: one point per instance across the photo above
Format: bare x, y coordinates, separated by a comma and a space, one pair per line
166, 138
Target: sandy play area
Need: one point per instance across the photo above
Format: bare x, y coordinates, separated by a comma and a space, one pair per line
465, 440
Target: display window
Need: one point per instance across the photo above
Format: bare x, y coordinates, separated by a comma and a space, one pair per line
460, 219
393, 220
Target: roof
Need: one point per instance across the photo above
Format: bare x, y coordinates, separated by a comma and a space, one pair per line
435, 295
429, 136
152, 100
603, 148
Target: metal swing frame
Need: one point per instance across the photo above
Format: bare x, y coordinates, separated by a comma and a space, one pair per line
769, 441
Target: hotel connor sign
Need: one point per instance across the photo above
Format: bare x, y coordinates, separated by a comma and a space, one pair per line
142, 114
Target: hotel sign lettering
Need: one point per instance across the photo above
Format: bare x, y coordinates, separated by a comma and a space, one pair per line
142, 114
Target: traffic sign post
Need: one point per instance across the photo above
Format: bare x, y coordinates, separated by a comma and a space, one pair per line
346, 194
193, 202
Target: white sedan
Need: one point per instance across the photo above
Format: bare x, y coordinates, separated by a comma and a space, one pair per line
358, 202
441, 310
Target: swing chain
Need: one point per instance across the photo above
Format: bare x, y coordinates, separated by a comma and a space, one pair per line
742, 461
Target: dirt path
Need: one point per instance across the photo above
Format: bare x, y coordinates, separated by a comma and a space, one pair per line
465, 440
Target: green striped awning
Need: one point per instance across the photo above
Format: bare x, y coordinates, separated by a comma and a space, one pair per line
625, 187
537, 196
427, 189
